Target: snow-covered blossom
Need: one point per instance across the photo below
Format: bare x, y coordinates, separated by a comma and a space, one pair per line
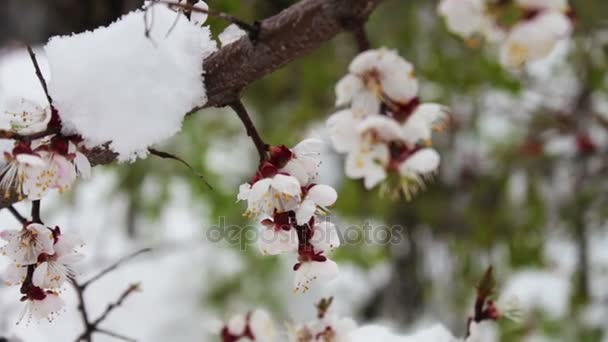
391, 137
155, 53
254, 326
283, 192
24, 246
534, 39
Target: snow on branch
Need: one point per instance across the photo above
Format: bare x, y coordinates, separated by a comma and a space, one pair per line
282, 38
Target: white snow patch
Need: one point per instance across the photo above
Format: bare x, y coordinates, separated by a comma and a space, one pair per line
115, 84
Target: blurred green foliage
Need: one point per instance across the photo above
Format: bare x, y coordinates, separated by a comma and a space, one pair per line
474, 216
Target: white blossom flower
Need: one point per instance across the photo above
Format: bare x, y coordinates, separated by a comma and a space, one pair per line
58, 173
317, 196
53, 270
368, 161
14, 274
26, 117
325, 237
262, 326
425, 119
24, 246
381, 128
415, 169
19, 167
465, 18
277, 237
304, 162
342, 127
376, 75
534, 39
309, 271
80, 161
41, 304
255, 326
280, 193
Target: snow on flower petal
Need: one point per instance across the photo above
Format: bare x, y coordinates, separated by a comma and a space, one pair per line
162, 74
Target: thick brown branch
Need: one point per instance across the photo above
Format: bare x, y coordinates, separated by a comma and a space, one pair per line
287, 36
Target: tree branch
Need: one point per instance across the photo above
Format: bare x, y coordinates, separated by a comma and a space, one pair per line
260, 145
16, 214
283, 38
113, 267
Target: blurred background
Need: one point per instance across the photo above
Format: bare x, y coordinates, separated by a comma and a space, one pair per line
522, 187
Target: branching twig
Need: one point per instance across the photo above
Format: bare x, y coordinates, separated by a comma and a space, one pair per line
360, 35
17, 214
166, 155
126, 293
28, 137
113, 267
260, 145
115, 335
90, 327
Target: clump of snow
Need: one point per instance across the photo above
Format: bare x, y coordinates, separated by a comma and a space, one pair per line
231, 34
117, 84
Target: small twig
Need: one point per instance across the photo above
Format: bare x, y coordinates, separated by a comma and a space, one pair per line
39, 74
360, 35
17, 214
36, 211
166, 155
260, 145
90, 327
253, 30
82, 308
114, 266
115, 335
126, 293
